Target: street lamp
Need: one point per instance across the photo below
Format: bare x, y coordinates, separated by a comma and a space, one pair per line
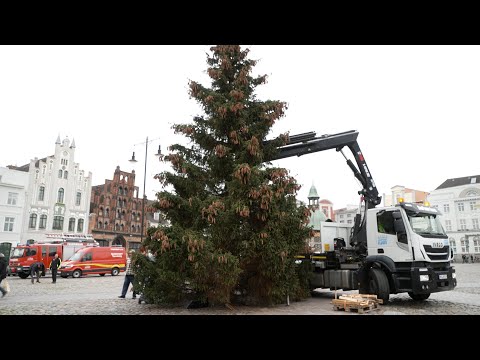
132, 160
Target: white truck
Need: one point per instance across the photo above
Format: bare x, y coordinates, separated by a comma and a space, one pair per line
395, 249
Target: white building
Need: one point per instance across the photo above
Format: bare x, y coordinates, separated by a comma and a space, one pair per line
459, 201
58, 194
13, 190
347, 215
408, 195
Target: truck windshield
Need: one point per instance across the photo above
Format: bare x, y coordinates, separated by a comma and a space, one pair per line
426, 225
18, 253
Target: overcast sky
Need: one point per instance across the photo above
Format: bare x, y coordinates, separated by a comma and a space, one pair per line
416, 108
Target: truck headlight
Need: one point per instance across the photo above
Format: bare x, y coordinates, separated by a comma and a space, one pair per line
454, 275
68, 266
424, 278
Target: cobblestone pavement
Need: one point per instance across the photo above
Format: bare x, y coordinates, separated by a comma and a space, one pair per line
95, 295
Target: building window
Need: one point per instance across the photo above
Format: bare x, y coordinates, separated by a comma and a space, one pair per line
57, 223
464, 245
100, 225
475, 224
453, 245
33, 221
60, 196
446, 208
473, 205
117, 227
461, 207
107, 212
463, 224
80, 225
105, 226
349, 221
12, 198
349, 215
41, 193
448, 225
65, 174
79, 199
100, 213
43, 222
8, 226
71, 224
342, 221
60, 174
476, 243
134, 245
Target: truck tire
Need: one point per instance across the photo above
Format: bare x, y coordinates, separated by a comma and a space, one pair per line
418, 297
378, 284
22, 275
115, 271
76, 273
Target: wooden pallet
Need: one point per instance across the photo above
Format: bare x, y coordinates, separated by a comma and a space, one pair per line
360, 303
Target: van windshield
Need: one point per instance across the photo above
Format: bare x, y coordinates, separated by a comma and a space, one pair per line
77, 256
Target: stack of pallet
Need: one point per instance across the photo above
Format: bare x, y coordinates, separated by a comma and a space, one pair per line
357, 302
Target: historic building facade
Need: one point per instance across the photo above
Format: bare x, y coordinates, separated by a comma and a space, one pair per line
458, 199
58, 194
116, 211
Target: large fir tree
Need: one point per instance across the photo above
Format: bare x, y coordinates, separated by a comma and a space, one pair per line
234, 223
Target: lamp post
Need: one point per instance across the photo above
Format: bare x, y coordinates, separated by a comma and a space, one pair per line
132, 160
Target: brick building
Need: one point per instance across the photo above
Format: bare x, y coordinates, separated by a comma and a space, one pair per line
116, 211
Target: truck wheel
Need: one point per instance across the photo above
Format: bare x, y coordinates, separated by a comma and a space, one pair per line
115, 271
378, 284
418, 297
22, 275
76, 274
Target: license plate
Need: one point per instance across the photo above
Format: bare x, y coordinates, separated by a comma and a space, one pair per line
442, 277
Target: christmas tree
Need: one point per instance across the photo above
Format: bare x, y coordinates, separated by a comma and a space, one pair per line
234, 226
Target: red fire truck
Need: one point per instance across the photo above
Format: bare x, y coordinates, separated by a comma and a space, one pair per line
44, 251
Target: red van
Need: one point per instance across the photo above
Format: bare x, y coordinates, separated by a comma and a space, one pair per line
95, 260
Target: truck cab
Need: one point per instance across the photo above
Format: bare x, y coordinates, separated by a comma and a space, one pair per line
409, 243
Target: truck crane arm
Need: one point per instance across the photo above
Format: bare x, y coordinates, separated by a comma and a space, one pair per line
307, 143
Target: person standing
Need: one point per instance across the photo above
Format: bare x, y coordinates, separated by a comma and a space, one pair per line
36, 268
3, 272
54, 265
129, 277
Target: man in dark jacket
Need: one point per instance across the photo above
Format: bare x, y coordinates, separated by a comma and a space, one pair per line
36, 268
3, 272
54, 265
